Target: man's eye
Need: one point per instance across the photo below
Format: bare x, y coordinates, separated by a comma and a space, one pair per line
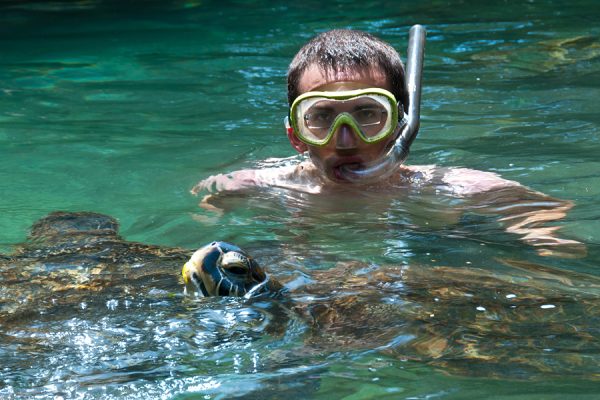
367, 116
318, 118
323, 116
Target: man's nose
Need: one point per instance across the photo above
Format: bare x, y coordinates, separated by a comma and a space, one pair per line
345, 137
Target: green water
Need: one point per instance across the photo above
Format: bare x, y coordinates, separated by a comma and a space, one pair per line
121, 108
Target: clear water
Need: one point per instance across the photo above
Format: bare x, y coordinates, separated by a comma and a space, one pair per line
121, 108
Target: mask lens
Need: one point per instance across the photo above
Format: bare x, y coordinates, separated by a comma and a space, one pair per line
371, 116
319, 117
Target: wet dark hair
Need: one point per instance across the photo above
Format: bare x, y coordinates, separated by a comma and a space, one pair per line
343, 50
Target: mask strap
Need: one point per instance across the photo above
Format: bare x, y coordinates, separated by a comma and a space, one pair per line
288, 126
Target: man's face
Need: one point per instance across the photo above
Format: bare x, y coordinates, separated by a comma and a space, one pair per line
345, 147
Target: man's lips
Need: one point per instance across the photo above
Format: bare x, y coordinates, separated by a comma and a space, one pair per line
347, 161
352, 163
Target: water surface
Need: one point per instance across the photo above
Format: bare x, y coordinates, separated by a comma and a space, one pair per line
122, 108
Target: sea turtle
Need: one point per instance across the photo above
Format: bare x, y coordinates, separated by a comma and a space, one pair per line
466, 320
538, 320
71, 255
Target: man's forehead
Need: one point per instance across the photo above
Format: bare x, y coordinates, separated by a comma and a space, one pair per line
315, 78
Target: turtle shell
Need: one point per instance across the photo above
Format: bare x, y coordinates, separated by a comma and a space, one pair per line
470, 321
70, 255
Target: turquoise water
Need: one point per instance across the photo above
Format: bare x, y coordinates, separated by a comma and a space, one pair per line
121, 108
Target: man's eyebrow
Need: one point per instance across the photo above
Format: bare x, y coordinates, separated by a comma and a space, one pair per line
366, 106
323, 107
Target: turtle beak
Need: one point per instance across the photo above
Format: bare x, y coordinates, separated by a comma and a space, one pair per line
192, 272
185, 272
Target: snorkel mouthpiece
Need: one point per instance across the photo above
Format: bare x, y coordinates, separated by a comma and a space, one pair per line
399, 152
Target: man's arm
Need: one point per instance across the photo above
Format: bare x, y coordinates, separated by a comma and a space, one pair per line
533, 216
530, 214
241, 182
236, 180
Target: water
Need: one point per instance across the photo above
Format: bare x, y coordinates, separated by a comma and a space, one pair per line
122, 108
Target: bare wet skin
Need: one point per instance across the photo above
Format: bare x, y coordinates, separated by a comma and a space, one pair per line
465, 321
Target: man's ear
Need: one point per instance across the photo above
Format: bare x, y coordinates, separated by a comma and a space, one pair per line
296, 143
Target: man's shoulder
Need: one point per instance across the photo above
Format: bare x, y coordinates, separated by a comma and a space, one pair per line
467, 181
300, 175
276, 172
457, 180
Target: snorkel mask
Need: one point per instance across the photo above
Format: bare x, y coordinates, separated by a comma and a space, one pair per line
373, 114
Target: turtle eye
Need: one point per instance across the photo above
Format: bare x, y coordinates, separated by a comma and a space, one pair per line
237, 270
235, 263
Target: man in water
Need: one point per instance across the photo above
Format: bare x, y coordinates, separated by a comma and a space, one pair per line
347, 98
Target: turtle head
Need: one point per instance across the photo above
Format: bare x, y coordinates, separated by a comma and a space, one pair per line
222, 269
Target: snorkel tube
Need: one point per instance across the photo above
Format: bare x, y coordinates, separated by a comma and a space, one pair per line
399, 151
